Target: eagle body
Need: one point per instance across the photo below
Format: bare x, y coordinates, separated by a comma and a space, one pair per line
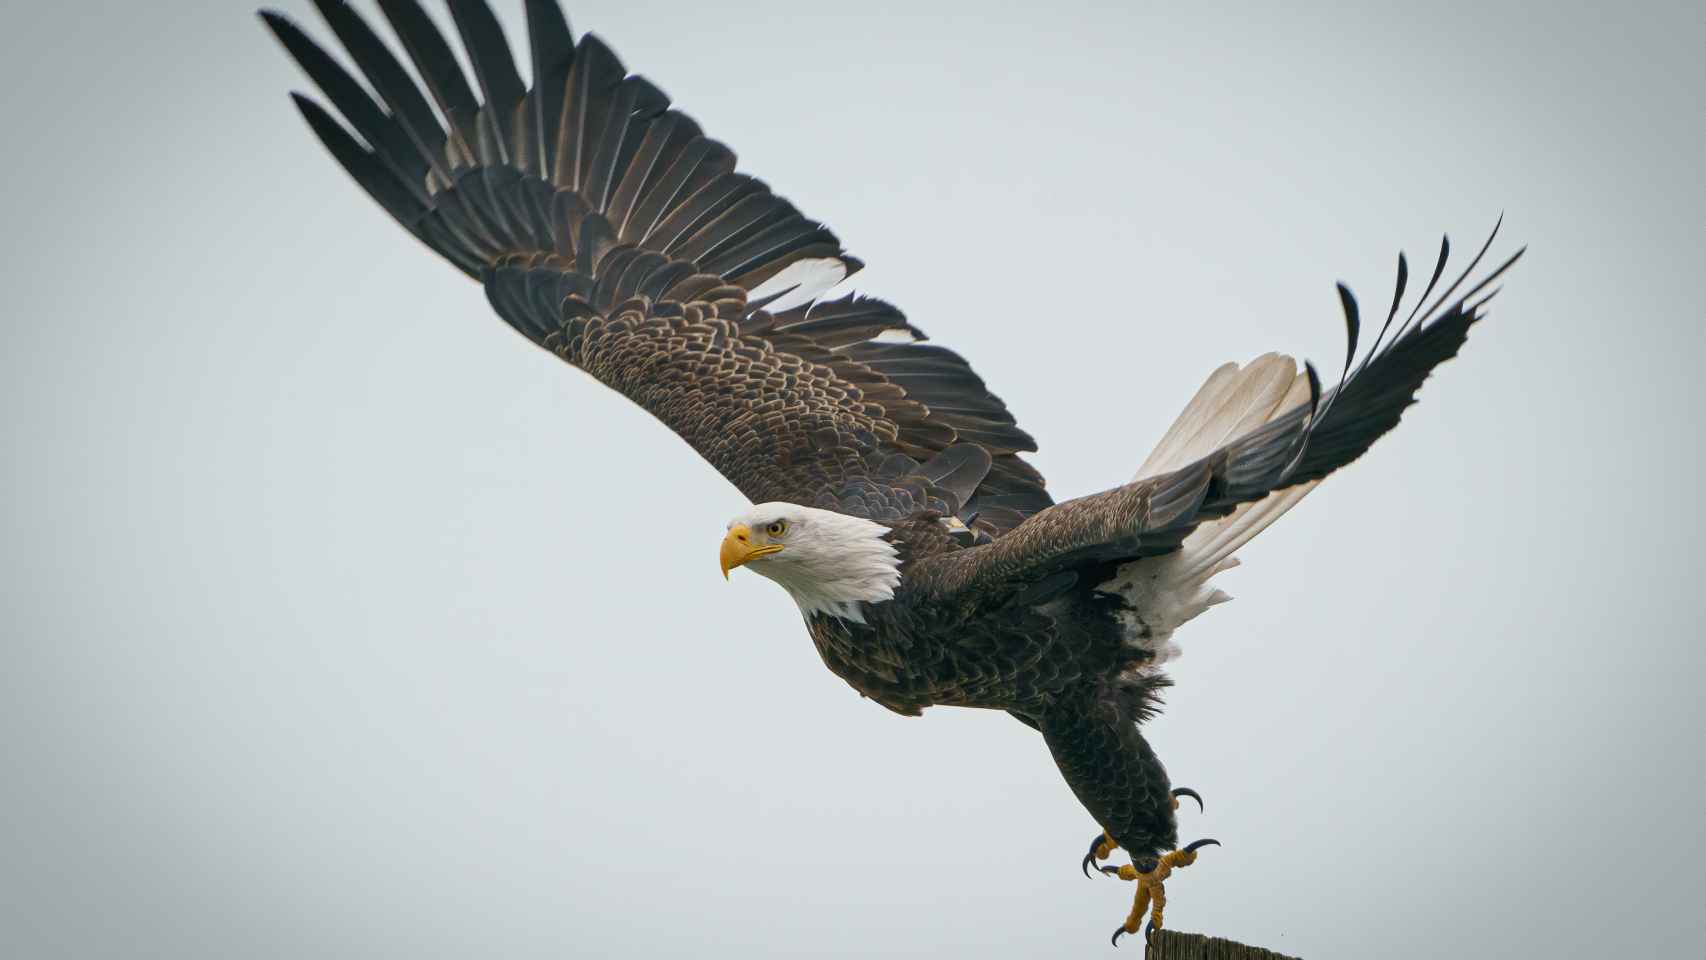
885, 630
894, 503
1063, 660
1068, 654
1011, 650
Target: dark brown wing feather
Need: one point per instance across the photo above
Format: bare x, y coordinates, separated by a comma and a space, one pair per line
610, 230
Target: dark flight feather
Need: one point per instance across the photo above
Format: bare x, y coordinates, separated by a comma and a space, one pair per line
494, 67
390, 81
552, 45
391, 142
437, 66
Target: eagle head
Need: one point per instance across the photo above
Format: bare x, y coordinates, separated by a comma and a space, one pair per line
831, 563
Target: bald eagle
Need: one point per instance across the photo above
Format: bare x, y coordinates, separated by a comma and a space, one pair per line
894, 504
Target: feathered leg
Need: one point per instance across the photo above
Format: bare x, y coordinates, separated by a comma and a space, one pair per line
1116, 775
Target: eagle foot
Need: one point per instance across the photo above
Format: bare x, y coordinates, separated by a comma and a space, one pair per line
1150, 900
1188, 792
1103, 845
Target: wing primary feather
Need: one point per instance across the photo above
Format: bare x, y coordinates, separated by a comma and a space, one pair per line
1398, 290
1448, 291
596, 70
358, 162
494, 66
390, 80
553, 49
1397, 300
624, 110
438, 68
1314, 409
1439, 268
1353, 327
1492, 276
1474, 309
390, 143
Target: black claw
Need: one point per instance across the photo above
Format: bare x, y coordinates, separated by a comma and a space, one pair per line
1201, 843
1110, 871
1090, 858
1115, 939
1188, 792
1149, 933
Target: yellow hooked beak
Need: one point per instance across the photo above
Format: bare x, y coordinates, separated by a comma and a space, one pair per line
738, 549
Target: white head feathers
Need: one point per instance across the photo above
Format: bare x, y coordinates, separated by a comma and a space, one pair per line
829, 562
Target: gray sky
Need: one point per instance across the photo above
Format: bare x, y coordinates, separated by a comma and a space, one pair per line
341, 623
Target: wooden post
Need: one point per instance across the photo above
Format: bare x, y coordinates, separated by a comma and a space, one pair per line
1172, 945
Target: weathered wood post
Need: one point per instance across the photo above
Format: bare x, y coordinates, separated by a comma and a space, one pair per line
1172, 945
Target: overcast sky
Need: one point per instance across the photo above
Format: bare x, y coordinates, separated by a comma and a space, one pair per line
340, 622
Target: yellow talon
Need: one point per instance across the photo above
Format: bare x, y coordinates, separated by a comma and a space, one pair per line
1151, 896
1101, 848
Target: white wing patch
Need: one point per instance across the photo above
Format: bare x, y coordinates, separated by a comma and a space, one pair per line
895, 335
808, 279
1163, 593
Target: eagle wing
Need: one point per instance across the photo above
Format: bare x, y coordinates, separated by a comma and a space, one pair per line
610, 230
1285, 449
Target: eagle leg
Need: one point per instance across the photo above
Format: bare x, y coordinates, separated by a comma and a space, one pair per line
1115, 774
1151, 897
1103, 845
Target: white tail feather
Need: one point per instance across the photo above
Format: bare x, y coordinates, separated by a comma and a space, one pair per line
1232, 402
1165, 592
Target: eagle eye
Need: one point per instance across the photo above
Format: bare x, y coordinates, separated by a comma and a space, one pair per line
776, 528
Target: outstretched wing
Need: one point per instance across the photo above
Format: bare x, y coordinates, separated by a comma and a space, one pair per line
608, 229
1153, 516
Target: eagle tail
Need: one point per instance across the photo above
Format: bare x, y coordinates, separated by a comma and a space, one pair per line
1271, 435
1232, 402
